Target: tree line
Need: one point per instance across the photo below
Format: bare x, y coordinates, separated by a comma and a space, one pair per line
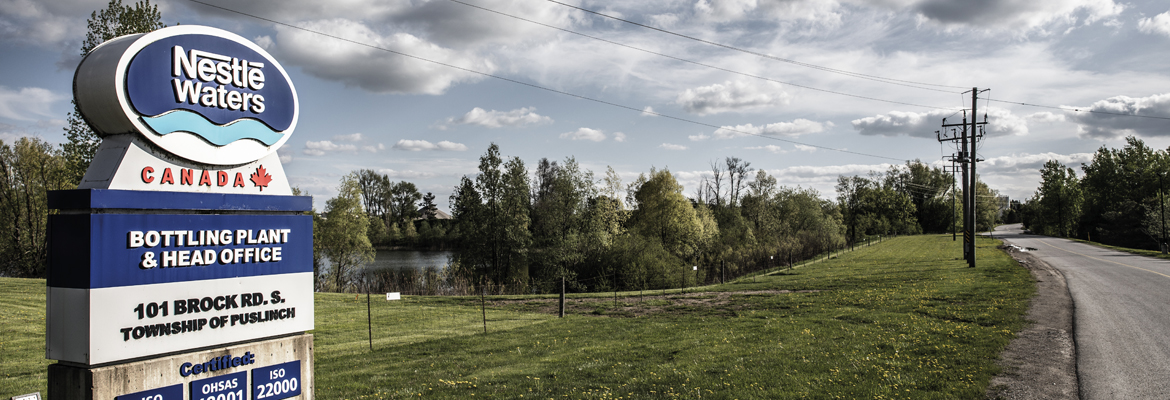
29, 167
527, 229
1118, 198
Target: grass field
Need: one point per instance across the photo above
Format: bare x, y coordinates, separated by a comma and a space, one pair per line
902, 319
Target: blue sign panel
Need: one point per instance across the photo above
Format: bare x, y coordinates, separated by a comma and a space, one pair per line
112, 250
173, 392
216, 79
277, 382
223, 387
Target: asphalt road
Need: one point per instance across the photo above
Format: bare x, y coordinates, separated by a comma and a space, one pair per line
1122, 317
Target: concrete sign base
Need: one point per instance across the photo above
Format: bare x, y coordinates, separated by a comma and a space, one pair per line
257, 370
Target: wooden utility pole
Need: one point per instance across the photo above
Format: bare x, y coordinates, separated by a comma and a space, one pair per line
973, 197
967, 135
562, 296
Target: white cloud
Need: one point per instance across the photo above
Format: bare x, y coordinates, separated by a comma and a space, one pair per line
585, 134
353, 137
619, 137
804, 148
698, 138
798, 127
1031, 162
1016, 15
498, 119
1001, 122
774, 149
45, 22
423, 145
731, 96
670, 146
372, 69
323, 147
1045, 116
1124, 115
1159, 24
27, 104
649, 112
405, 174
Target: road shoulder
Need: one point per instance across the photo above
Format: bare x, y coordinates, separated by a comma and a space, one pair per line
1040, 363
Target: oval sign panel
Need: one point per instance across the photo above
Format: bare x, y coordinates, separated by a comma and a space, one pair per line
200, 93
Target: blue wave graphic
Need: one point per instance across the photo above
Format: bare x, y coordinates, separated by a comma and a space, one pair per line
220, 135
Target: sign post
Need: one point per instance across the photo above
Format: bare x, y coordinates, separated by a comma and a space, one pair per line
181, 268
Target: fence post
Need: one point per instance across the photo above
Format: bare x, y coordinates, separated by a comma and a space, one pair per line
369, 319
562, 296
483, 305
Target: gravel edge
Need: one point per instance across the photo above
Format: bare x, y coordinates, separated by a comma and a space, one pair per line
1040, 363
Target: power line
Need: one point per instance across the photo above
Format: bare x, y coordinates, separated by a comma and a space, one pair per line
771, 57
535, 86
699, 63
1075, 109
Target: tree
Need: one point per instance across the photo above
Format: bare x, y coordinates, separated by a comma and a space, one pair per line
28, 169
344, 237
1116, 184
663, 214
1059, 201
375, 190
492, 219
403, 200
429, 209
113, 21
737, 171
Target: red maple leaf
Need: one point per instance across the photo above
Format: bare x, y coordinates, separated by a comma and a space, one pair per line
261, 178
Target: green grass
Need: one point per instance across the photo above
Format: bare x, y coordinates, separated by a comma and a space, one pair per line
22, 337
903, 319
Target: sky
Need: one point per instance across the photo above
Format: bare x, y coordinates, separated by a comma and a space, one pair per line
806, 90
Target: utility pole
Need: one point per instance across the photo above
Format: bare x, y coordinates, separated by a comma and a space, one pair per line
954, 211
1162, 203
972, 197
967, 135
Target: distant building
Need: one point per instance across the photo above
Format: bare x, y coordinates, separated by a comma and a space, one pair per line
439, 214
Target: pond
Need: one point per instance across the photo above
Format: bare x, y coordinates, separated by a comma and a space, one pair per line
413, 259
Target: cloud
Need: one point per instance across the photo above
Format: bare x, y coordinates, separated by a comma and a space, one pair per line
815, 11
731, 96
498, 119
1123, 116
649, 112
619, 137
1159, 24
406, 174
353, 137
585, 134
774, 149
1001, 122
804, 148
1016, 15
698, 138
1031, 162
1045, 116
48, 23
372, 69
323, 147
423, 145
670, 146
798, 127
27, 104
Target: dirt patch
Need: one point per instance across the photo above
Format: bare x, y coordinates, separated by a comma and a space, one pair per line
1040, 363
637, 306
